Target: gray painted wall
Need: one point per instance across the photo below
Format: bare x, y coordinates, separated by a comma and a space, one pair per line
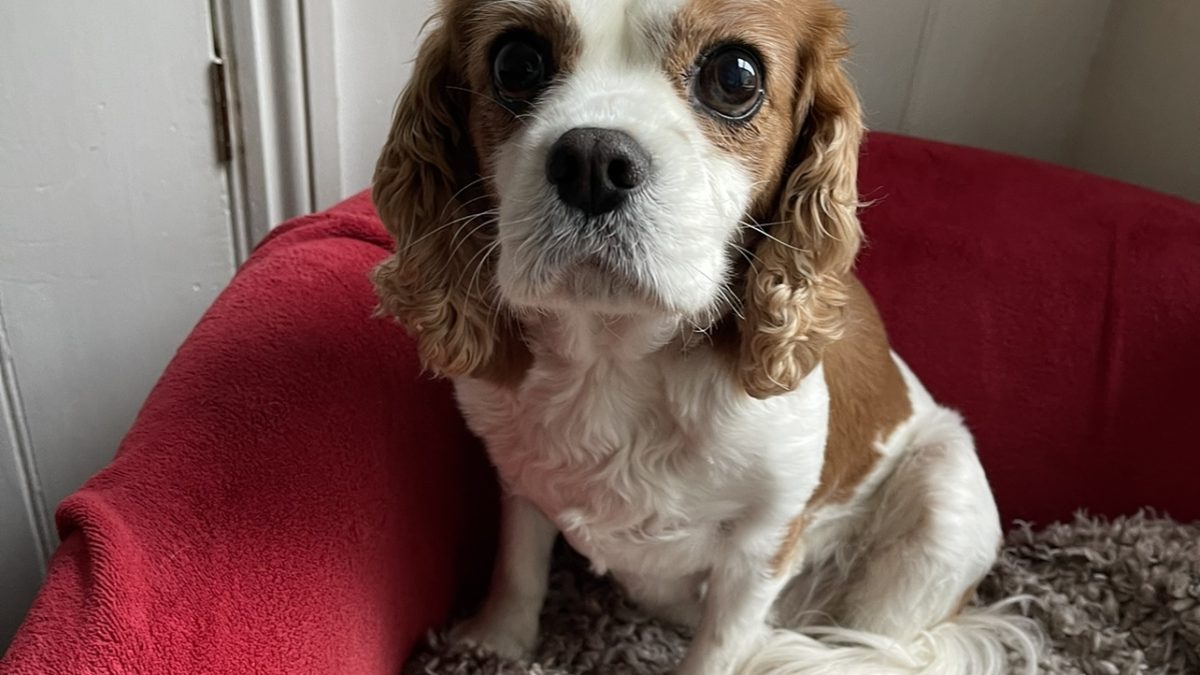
1007, 75
1140, 118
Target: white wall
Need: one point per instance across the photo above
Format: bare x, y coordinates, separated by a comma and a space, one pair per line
115, 235
1006, 75
1009, 75
363, 52
374, 72
1141, 113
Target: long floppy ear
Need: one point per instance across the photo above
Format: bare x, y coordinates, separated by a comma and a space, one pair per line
426, 190
796, 292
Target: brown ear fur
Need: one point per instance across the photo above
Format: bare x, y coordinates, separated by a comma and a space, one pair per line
796, 292
426, 191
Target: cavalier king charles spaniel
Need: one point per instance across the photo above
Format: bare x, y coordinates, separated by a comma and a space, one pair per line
626, 230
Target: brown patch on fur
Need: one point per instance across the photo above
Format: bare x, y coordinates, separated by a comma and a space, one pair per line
781, 34
429, 193
802, 147
868, 398
785, 557
490, 122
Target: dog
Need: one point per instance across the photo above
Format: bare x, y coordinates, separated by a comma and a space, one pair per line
626, 230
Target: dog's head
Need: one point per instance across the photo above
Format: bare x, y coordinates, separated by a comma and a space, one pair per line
690, 158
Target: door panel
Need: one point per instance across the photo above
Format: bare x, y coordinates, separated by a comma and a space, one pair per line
115, 226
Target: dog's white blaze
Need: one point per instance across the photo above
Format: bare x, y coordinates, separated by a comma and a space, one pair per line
632, 32
695, 199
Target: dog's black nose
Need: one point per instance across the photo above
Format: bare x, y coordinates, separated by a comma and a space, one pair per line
595, 170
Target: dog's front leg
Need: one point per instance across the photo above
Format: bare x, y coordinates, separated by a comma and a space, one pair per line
508, 622
741, 592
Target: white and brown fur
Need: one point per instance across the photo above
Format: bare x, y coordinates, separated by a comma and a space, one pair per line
716, 419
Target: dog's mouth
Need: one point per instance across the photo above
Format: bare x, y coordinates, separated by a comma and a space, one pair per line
598, 284
591, 281
595, 279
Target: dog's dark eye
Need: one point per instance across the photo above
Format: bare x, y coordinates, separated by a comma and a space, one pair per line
729, 83
520, 68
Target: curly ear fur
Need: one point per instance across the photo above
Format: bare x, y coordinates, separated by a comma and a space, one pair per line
426, 190
796, 294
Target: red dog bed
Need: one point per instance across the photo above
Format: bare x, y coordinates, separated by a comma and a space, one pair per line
296, 497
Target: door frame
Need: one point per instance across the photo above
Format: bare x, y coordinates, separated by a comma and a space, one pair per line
281, 89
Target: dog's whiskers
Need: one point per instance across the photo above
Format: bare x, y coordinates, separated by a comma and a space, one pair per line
761, 230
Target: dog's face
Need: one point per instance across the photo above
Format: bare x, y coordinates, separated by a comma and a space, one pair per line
621, 154
682, 157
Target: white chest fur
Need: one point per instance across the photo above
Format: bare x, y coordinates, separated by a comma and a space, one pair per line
646, 457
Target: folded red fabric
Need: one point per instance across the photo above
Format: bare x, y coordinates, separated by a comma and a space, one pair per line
296, 497
291, 498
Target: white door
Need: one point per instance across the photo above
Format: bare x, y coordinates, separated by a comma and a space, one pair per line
115, 234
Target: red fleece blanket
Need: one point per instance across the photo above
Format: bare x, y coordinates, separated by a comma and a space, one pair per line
296, 497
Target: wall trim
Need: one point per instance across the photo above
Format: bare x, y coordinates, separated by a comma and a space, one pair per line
324, 126
262, 43
16, 429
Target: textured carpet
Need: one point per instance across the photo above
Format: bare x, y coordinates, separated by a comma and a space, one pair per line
1113, 597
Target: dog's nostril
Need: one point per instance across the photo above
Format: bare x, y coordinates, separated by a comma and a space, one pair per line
623, 175
595, 170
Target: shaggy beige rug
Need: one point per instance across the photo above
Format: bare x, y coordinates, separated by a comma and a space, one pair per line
1115, 597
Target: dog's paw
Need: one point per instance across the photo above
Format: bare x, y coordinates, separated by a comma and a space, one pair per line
509, 637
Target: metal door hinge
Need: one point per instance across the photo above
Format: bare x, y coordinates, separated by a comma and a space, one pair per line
221, 115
